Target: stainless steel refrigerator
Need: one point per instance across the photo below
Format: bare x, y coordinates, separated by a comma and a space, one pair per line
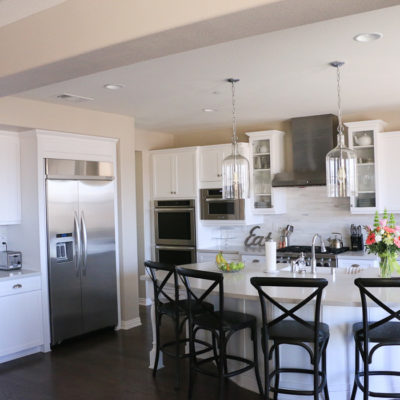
81, 247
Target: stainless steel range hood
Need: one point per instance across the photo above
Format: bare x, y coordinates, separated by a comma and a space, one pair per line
312, 138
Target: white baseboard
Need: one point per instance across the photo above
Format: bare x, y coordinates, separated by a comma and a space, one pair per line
131, 323
145, 301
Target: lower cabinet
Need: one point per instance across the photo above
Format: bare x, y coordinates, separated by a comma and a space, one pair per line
247, 259
21, 316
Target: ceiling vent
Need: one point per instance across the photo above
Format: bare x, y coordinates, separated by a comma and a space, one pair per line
73, 98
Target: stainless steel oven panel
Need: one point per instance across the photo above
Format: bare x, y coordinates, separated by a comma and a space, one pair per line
177, 255
175, 241
235, 208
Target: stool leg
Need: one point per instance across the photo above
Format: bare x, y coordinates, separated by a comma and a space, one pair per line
316, 369
266, 367
357, 369
177, 360
221, 366
255, 357
326, 391
192, 361
155, 366
277, 366
366, 371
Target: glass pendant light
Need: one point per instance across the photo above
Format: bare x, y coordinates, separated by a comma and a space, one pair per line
340, 161
235, 167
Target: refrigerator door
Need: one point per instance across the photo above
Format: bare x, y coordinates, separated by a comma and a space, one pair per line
64, 261
99, 287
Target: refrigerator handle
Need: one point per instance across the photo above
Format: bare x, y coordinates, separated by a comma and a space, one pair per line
77, 239
84, 244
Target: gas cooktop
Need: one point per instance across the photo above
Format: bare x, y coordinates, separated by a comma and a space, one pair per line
307, 249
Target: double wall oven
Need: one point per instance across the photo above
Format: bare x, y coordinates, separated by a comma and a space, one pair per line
175, 231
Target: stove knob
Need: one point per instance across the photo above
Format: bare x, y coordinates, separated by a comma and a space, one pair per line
280, 259
320, 262
328, 262
288, 260
308, 261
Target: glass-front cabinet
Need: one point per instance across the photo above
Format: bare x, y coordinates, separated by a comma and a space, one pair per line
266, 159
362, 137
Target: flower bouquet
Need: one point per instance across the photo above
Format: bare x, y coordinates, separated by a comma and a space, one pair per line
384, 240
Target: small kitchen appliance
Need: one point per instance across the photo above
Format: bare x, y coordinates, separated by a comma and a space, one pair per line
356, 238
215, 207
10, 260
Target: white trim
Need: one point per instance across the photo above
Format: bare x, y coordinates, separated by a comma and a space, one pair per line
145, 301
131, 323
22, 353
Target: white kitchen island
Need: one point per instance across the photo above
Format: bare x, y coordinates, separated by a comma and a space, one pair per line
341, 308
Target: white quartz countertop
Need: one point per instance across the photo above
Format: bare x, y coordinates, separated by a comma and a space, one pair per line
18, 273
340, 291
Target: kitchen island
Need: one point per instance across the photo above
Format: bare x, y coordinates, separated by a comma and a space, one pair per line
341, 308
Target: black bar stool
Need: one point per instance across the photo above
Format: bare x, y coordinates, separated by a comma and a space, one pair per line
222, 325
177, 310
382, 332
289, 328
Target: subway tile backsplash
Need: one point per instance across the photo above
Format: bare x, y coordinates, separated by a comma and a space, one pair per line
309, 210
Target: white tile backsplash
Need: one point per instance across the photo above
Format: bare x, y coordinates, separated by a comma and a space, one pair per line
309, 210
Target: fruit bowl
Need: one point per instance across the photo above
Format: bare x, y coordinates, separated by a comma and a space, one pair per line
226, 266
230, 267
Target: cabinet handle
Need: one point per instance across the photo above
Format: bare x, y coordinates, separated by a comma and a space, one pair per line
17, 286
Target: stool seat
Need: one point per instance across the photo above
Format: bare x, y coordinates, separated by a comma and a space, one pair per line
389, 332
293, 330
231, 320
168, 308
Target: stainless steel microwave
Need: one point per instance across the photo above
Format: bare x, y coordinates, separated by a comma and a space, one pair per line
214, 207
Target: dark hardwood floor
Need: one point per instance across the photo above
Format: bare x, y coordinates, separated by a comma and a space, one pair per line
104, 365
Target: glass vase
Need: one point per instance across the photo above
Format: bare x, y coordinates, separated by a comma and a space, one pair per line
386, 265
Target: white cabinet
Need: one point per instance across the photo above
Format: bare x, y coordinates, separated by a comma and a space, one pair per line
363, 139
266, 159
10, 199
388, 153
255, 260
343, 262
21, 315
210, 256
211, 158
174, 173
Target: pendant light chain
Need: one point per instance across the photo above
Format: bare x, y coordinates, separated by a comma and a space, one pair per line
339, 102
234, 135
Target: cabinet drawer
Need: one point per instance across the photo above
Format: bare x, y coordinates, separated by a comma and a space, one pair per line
253, 259
20, 285
346, 263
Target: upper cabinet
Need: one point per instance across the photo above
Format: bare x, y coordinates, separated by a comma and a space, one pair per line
363, 139
388, 151
211, 158
266, 159
174, 173
10, 199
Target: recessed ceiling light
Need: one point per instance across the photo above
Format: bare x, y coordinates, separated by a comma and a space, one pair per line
209, 110
114, 86
367, 37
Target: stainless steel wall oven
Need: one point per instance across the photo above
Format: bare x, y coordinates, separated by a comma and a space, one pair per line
175, 231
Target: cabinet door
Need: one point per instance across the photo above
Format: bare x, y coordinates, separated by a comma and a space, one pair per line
163, 166
10, 199
21, 318
185, 166
388, 171
210, 165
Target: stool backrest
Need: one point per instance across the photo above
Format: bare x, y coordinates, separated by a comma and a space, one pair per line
216, 281
153, 269
363, 284
268, 322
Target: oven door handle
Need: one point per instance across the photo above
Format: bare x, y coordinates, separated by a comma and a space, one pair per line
175, 247
209, 200
173, 209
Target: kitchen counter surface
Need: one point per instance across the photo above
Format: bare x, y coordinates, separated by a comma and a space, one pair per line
340, 291
18, 273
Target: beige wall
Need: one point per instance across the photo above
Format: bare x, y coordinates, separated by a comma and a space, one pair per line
18, 112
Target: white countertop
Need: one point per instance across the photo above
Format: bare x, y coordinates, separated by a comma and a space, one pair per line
340, 291
18, 273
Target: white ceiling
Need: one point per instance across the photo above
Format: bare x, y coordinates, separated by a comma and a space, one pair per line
14, 10
283, 74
